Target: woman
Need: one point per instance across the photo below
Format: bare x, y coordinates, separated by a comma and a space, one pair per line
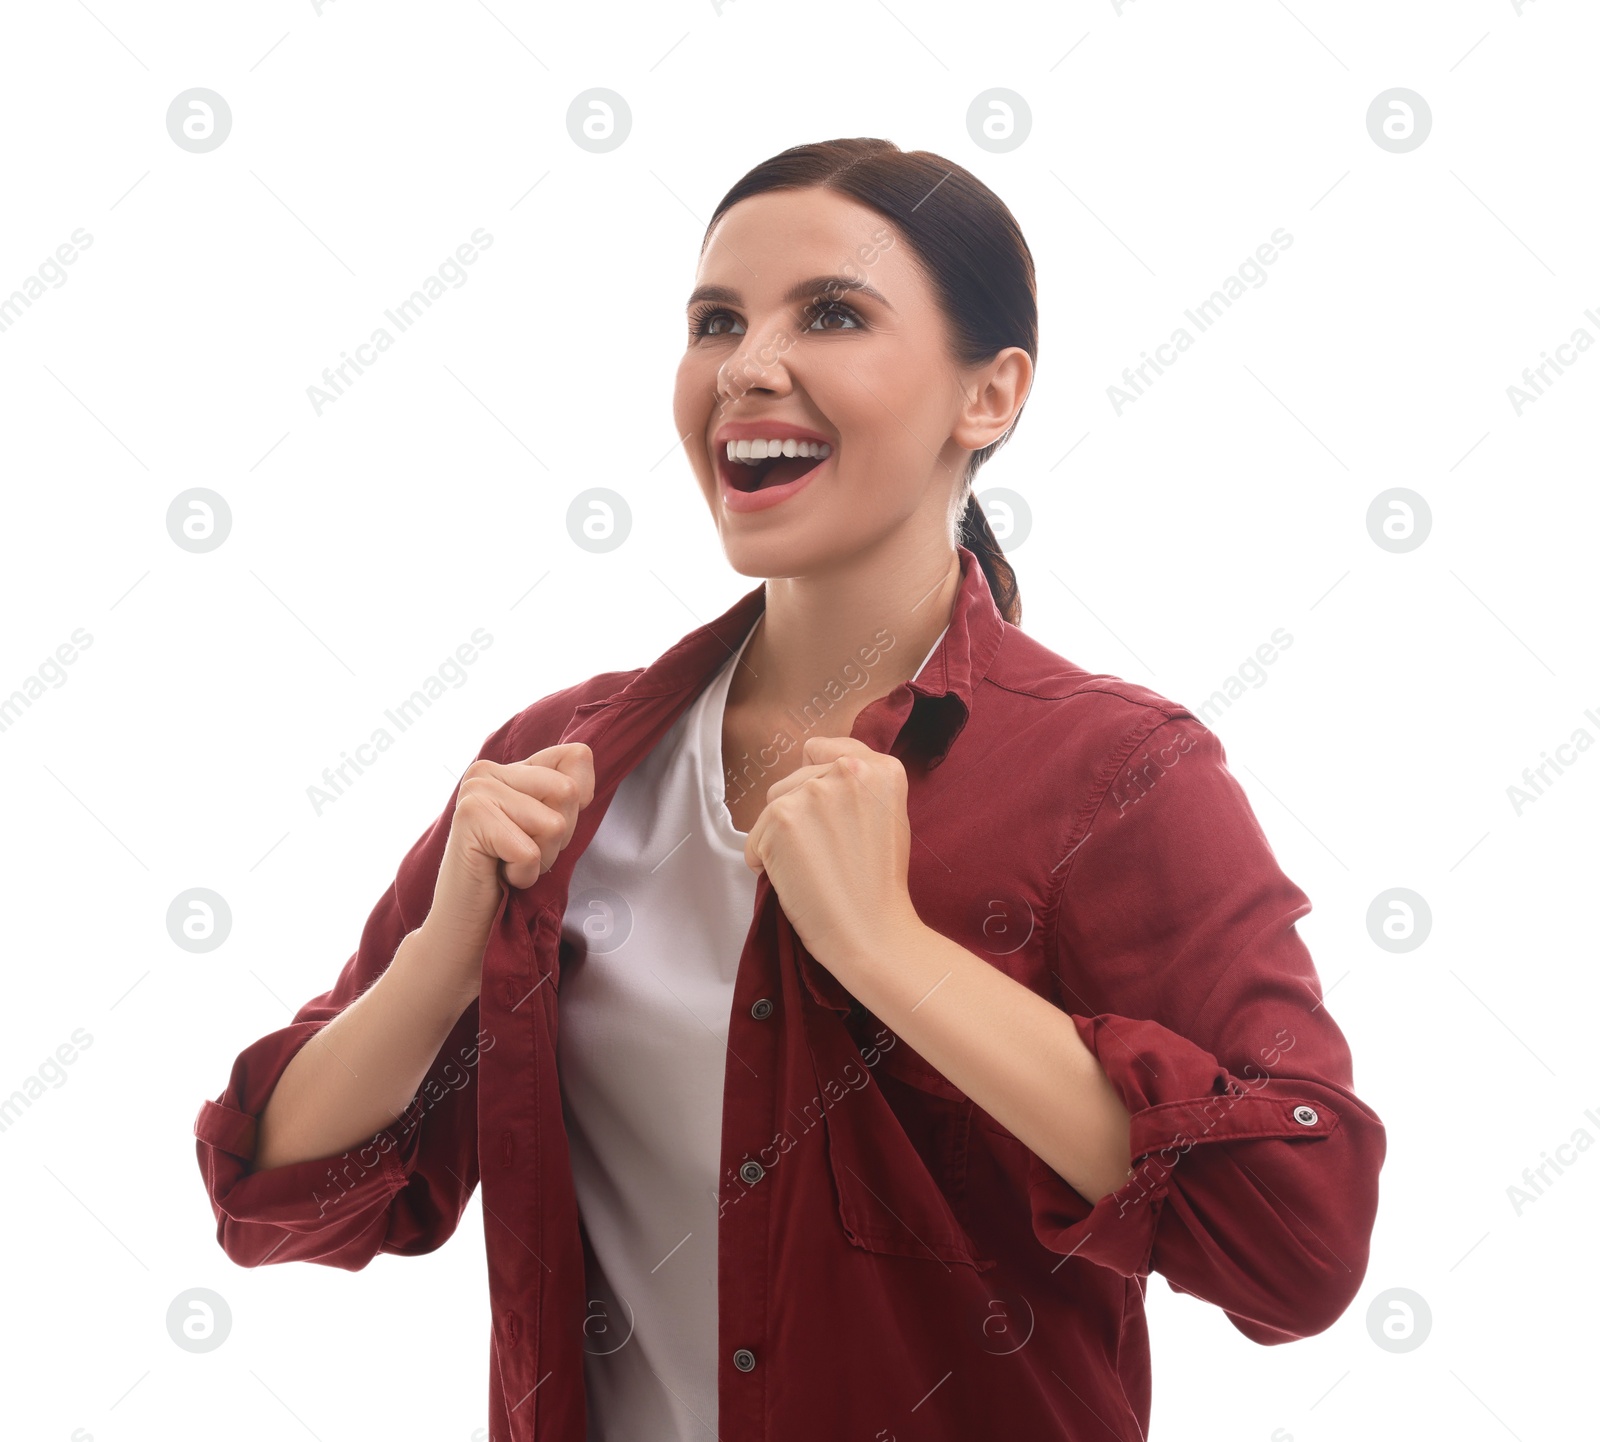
918, 993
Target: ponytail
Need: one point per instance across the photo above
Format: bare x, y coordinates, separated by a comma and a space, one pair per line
977, 536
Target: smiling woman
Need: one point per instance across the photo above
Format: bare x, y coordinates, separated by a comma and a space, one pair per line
987, 1144
912, 378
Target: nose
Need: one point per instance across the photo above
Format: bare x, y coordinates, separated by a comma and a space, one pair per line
757, 364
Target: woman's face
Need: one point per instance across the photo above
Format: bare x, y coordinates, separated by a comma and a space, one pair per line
861, 365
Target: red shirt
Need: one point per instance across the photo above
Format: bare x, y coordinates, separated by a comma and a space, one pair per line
890, 1259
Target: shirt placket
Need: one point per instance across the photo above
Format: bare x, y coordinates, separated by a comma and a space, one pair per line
752, 1102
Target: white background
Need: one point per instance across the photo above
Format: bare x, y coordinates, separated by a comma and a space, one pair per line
367, 543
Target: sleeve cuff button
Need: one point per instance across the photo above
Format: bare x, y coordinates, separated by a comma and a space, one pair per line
1306, 1116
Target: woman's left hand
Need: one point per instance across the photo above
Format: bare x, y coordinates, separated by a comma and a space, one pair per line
834, 840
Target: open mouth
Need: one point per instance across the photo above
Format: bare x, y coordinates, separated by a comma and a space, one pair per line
760, 473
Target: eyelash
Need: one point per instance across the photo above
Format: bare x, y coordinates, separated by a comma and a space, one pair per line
819, 305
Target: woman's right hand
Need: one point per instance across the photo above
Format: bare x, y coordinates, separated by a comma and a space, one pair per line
518, 816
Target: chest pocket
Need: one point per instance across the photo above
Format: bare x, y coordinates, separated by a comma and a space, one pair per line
898, 1148
936, 1115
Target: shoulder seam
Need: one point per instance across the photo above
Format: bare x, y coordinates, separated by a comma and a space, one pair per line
1165, 706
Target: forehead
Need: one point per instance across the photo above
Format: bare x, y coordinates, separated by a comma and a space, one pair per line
766, 240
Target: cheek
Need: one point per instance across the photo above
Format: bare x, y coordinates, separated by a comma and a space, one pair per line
878, 401
691, 396
681, 386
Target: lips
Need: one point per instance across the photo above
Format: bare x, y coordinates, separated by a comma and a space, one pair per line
747, 478
748, 487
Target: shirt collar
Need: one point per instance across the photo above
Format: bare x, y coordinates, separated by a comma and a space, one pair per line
940, 695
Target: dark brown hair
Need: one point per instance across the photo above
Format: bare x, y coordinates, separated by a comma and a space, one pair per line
972, 251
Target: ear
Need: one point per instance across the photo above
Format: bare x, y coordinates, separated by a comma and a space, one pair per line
994, 393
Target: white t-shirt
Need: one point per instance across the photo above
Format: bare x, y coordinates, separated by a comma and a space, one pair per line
663, 902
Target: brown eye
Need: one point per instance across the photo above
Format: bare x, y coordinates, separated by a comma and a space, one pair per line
707, 322
833, 310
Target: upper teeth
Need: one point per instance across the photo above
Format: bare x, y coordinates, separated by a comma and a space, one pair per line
753, 451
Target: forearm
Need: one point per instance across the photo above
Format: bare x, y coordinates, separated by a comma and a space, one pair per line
359, 1073
1017, 1055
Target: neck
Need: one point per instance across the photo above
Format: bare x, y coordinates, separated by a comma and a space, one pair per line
823, 631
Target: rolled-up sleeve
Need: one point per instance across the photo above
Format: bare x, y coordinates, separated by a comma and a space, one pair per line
404, 1189
1254, 1182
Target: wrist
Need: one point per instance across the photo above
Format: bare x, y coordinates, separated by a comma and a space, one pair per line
898, 933
441, 966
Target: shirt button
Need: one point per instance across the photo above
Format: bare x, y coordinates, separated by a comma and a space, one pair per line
762, 1009
745, 1360
1306, 1116
752, 1172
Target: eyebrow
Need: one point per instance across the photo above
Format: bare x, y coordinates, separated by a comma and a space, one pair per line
804, 290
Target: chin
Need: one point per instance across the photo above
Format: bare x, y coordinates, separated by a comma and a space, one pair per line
778, 556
